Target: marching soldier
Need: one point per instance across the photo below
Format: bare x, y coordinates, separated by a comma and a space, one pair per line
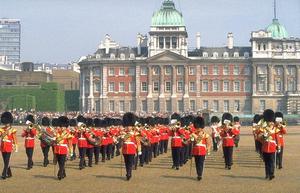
281, 130
73, 132
164, 136
82, 141
63, 145
176, 141
46, 147
237, 125
215, 132
90, 146
96, 132
227, 134
269, 146
29, 133
8, 142
130, 144
256, 130
201, 145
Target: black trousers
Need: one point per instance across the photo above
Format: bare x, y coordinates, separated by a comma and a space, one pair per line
61, 160
279, 156
29, 153
228, 151
236, 140
176, 156
45, 151
129, 162
181, 157
113, 148
108, 151
154, 148
74, 151
118, 147
215, 141
199, 160
144, 158
90, 152
6, 169
82, 153
97, 154
269, 159
103, 152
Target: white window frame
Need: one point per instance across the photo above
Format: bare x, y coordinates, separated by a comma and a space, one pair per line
122, 88
144, 85
111, 71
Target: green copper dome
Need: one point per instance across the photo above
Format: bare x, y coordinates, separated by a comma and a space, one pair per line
278, 31
167, 15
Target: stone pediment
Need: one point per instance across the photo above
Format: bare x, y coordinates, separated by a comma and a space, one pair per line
167, 56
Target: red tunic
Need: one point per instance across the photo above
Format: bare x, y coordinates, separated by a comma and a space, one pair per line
200, 148
8, 140
29, 137
176, 140
227, 137
269, 145
62, 147
129, 146
279, 136
82, 140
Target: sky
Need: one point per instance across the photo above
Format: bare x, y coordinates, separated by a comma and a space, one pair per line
61, 31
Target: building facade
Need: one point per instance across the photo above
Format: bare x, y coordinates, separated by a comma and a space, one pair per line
162, 74
10, 41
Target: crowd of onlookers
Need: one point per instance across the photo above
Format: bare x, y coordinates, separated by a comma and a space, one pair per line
19, 116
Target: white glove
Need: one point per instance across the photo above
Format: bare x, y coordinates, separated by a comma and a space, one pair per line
139, 153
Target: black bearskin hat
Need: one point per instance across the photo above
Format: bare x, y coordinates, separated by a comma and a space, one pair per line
175, 116
89, 122
214, 119
81, 119
63, 121
55, 122
199, 123
30, 118
73, 122
278, 114
236, 119
227, 116
45, 121
6, 118
97, 122
257, 118
129, 119
269, 115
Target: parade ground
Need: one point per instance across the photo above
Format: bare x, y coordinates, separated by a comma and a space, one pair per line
246, 175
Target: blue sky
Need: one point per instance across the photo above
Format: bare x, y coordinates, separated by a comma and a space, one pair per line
60, 31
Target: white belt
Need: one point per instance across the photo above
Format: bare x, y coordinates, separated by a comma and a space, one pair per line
129, 142
227, 137
6, 140
29, 138
271, 141
176, 137
201, 145
280, 135
81, 138
63, 145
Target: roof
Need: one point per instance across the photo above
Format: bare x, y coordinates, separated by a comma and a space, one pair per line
278, 31
168, 15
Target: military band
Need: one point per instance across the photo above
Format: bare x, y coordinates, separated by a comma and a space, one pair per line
140, 140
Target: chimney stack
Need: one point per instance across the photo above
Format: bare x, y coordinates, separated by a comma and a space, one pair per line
139, 44
198, 40
230, 40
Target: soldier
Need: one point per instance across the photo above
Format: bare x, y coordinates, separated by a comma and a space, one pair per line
29, 133
63, 145
82, 140
176, 141
73, 132
256, 131
130, 145
237, 125
46, 147
164, 136
97, 133
8, 142
201, 145
90, 146
280, 130
227, 134
269, 146
215, 121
